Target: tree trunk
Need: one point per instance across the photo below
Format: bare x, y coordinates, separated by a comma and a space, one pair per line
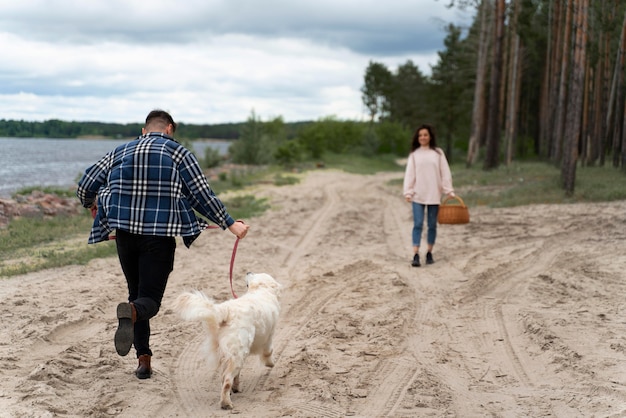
556, 45
513, 90
604, 105
493, 126
597, 106
597, 144
575, 100
544, 104
478, 110
586, 109
616, 100
559, 120
622, 160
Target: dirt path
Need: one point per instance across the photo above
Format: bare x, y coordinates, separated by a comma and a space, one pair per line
523, 314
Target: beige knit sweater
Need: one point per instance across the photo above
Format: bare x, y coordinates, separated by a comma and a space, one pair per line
427, 177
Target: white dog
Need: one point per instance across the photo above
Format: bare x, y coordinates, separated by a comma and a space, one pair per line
236, 328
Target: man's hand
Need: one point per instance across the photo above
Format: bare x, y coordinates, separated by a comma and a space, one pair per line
239, 229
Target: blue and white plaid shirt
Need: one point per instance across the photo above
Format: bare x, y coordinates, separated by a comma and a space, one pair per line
150, 186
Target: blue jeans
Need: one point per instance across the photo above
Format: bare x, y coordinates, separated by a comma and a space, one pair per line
418, 223
147, 262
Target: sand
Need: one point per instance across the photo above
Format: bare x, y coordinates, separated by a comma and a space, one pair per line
523, 314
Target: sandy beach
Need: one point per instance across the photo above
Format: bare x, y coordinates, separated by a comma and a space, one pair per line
523, 314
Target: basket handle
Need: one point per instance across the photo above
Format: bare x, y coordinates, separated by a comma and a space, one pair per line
456, 196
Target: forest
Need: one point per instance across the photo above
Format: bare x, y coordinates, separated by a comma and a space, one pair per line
528, 79
55, 128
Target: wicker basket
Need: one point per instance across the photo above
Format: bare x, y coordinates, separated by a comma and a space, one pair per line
453, 213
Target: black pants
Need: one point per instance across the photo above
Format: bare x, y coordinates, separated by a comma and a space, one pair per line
147, 262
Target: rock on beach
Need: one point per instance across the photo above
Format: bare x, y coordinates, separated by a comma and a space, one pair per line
37, 204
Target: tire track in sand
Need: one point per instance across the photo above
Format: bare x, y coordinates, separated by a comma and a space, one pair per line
304, 310
492, 338
309, 312
315, 222
500, 285
190, 383
196, 386
400, 383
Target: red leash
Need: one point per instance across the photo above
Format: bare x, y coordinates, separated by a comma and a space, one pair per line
232, 263
232, 259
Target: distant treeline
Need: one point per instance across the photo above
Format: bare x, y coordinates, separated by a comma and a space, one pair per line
55, 128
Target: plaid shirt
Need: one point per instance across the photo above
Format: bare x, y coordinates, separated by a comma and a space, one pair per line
150, 186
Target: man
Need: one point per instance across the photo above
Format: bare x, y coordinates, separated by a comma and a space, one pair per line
147, 190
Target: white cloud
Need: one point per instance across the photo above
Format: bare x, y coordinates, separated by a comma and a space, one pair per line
205, 61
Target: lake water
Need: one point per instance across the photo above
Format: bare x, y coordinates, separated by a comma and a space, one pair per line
26, 162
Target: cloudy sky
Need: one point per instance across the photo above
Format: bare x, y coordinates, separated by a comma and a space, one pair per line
206, 61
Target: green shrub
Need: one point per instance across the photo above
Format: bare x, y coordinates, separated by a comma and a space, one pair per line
393, 139
258, 141
289, 154
212, 158
245, 207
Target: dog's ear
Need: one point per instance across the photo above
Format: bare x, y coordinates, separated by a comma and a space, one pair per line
254, 284
263, 280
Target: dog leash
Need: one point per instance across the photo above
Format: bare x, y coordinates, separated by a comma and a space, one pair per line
232, 258
232, 263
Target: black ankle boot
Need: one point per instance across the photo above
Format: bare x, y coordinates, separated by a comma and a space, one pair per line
416, 261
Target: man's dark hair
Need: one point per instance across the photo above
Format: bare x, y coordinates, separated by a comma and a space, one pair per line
160, 118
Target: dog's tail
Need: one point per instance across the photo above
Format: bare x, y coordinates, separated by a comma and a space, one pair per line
196, 306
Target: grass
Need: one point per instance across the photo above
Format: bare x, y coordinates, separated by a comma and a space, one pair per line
46, 257
23, 233
62, 192
528, 183
32, 244
246, 206
357, 164
536, 183
242, 177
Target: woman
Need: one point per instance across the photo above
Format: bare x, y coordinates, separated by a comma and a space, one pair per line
426, 179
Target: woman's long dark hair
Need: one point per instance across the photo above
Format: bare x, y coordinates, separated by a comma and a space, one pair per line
415, 143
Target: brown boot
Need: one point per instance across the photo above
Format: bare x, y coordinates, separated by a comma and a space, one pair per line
144, 371
127, 316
